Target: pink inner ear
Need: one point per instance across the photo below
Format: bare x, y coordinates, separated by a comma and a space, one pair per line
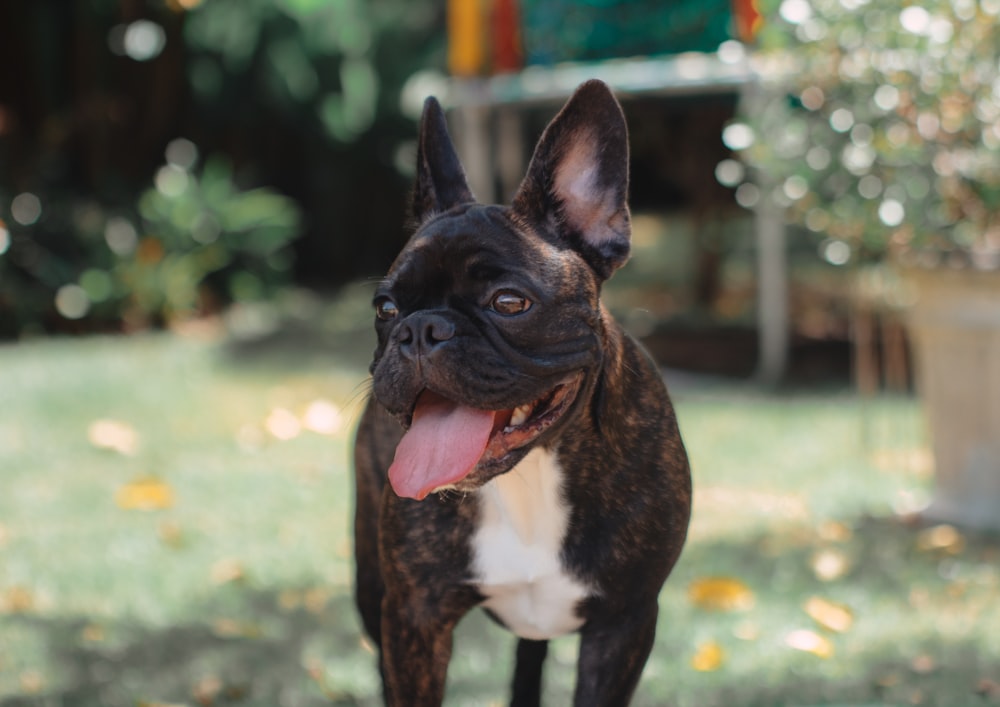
588, 208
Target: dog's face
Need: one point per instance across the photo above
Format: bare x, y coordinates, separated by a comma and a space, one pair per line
489, 323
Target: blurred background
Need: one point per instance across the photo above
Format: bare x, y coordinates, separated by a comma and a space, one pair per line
196, 197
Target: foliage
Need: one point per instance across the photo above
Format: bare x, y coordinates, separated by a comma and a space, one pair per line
300, 95
199, 226
878, 124
200, 239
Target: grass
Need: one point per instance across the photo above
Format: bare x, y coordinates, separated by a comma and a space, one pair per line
237, 591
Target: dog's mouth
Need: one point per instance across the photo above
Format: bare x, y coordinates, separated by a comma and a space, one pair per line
446, 441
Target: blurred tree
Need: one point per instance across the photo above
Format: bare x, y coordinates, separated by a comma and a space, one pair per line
302, 95
879, 125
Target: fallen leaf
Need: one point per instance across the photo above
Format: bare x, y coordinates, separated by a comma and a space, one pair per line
708, 657
720, 594
283, 424
830, 615
835, 531
145, 494
16, 600
322, 417
113, 435
829, 564
923, 664
231, 628
227, 570
810, 642
171, 534
31, 681
889, 680
206, 690
92, 633
945, 539
289, 600
315, 600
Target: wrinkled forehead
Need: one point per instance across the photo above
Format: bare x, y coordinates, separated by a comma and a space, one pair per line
468, 236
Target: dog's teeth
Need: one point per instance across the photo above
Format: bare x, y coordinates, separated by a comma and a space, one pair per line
520, 415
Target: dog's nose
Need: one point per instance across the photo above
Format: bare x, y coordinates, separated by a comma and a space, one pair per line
421, 333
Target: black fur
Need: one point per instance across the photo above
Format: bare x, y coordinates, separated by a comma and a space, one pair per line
626, 483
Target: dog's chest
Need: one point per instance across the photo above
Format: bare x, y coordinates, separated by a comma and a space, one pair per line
517, 546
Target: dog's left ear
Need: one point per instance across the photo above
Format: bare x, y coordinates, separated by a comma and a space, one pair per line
441, 180
578, 178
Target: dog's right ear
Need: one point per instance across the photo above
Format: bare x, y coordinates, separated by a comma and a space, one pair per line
441, 182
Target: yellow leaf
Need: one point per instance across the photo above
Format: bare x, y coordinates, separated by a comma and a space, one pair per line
207, 689
113, 435
810, 642
93, 633
835, 531
227, 570
923, 664
708, 657
829, 565
31, 681
941, 538
145, 494
171, 534
289, 600
830, 615
315, 600
720, 594
16, 600
231, 628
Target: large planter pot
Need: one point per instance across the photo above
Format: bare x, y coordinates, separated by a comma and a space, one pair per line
955, 332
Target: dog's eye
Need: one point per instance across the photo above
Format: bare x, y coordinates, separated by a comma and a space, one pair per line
385, 309
508, 303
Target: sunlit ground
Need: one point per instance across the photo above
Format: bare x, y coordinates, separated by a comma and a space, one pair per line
174, 518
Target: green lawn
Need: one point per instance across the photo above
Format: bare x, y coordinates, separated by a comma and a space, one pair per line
235, 588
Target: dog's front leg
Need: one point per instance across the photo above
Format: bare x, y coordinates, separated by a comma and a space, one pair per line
612, 655
416, 647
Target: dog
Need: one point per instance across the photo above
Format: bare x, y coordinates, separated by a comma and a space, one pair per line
519, 451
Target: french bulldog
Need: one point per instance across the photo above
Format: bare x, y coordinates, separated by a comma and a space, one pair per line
519, 451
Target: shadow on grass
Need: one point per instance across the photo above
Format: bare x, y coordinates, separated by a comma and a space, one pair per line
280, 647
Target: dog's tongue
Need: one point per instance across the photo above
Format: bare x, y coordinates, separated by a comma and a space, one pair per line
442, 446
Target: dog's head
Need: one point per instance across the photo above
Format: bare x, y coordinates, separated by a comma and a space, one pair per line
490, 331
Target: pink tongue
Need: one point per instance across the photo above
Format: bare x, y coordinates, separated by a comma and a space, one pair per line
441, 447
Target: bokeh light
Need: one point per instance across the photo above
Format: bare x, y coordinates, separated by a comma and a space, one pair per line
737, 136
171, 180
730, 172
26, 208
891, 212
72, 302
182, 153
143, 40
120, 235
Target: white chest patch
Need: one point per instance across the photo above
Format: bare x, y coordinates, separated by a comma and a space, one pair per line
516, 550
